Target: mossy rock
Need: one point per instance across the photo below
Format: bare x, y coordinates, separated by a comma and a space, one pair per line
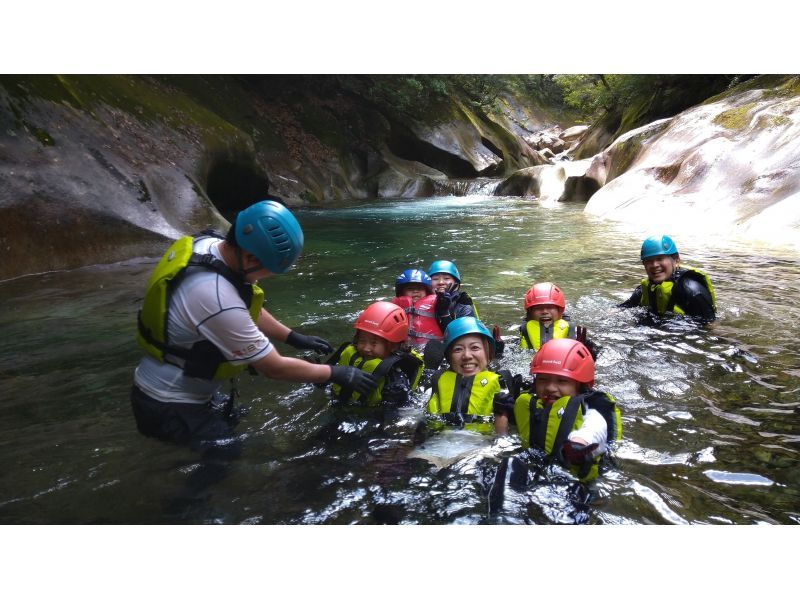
735, 118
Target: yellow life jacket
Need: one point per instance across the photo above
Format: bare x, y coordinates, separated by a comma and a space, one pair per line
203, 359
658, 297
409, 362
553, 423
534, 334
465, 401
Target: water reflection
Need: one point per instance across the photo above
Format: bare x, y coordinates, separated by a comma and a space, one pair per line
709, 415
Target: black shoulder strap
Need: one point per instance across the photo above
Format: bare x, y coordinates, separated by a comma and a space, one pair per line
334, 358
462, 390
539, 432
513, 383
545, 333
435, 382
209, 261
387, 364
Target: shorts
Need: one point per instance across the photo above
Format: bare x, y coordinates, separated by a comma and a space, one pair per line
180, 422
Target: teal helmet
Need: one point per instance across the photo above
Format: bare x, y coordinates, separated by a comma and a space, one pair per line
444, 267
270, 232
658, 245
466, 325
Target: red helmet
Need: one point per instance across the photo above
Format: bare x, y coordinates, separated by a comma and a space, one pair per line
545, 293
384, 319
565, 357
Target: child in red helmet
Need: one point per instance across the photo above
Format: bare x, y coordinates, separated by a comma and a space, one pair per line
544, 306
544, 311
378, 347
562, 414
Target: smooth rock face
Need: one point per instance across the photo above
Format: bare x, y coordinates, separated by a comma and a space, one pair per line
103, 168
730, 165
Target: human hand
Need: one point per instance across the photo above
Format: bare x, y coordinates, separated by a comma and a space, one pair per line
307, 342
351, 377
504, 402
445, 299
577, 453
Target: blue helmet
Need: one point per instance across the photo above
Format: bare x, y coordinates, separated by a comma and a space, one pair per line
270, 232
412, 276
658, 245
466, 325
444, 267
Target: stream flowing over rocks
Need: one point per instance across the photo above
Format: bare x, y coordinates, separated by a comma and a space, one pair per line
95, 169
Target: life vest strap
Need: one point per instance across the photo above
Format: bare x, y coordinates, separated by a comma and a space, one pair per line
416, 334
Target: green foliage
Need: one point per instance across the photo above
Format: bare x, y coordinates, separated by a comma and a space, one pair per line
665, 95
420, 95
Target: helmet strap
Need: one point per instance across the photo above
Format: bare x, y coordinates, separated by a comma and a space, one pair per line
240, 261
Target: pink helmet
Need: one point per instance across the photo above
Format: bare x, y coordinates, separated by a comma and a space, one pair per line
565, 357
384, 319
545, 293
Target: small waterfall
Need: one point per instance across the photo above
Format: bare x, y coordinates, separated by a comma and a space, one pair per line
463, 187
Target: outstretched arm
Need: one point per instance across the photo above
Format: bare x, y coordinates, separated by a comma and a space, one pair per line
634, 300
275, 330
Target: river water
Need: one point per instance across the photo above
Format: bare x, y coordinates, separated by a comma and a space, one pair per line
710, 415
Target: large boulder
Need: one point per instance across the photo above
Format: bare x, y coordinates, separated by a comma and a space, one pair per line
731, 164
102, 168
574, 133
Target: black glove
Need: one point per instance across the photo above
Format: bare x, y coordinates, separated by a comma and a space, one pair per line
433, 354
445, 302
348, 376
306, 342
504, 402
577, 454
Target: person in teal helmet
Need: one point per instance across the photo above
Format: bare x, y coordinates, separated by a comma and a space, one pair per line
202, 322
464, 394
670, 287
451, 301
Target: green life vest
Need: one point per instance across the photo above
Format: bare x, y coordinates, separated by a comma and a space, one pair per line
465, 401
409, 362
658, 297
534, 334
203, 359
553, 423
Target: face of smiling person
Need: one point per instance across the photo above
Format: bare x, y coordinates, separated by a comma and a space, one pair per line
441, 281
414, 290
660, 267
550, 387
468, 355
372, 346
546, 314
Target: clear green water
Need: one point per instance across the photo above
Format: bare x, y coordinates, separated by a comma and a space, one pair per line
710, 415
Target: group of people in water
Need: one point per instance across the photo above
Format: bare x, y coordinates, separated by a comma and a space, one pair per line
203, 321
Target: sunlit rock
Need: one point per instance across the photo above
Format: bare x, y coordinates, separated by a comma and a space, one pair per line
732, 164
